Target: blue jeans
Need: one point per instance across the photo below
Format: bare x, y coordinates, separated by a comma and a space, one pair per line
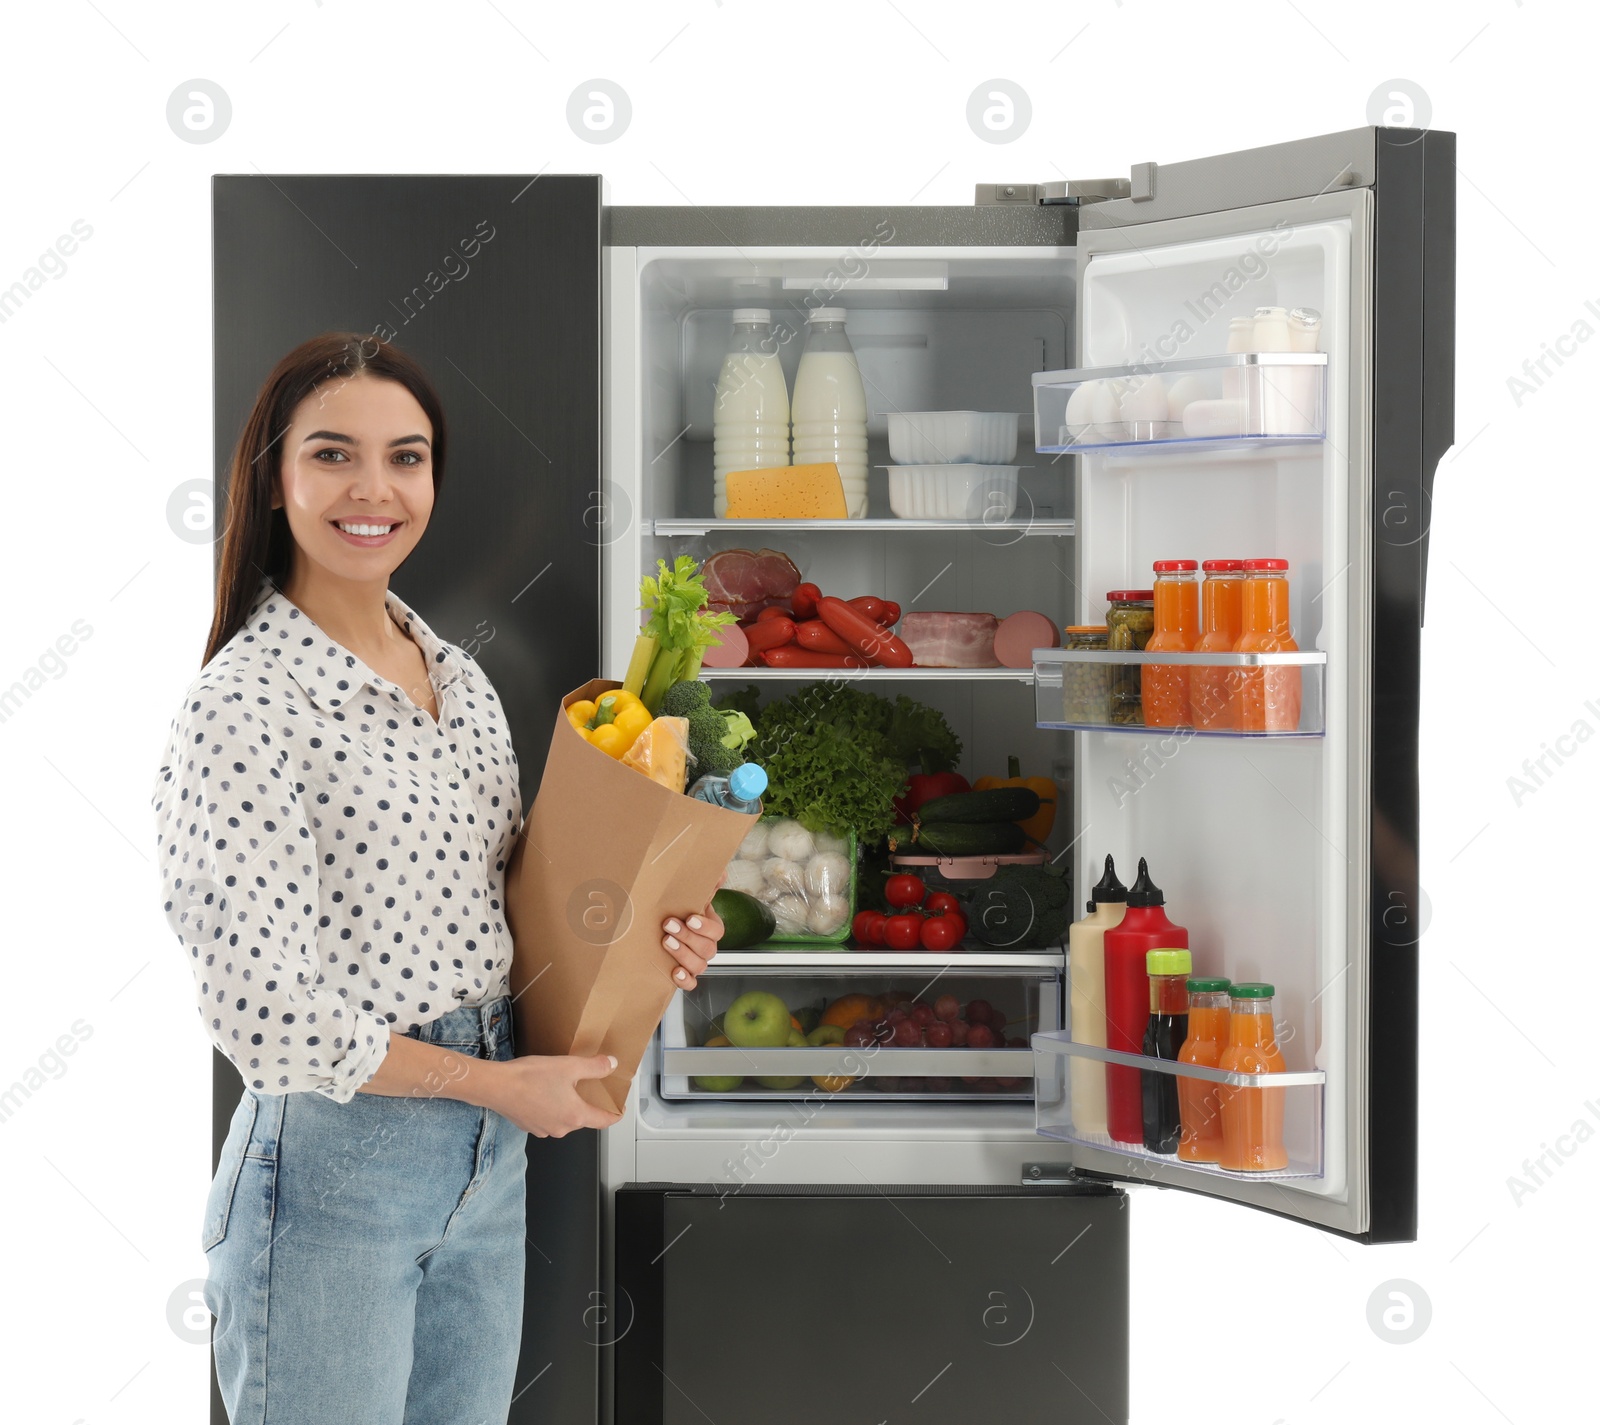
366, 1258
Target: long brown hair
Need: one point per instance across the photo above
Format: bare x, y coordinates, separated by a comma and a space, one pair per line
256, 540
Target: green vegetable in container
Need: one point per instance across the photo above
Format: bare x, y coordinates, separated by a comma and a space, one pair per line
1022, 908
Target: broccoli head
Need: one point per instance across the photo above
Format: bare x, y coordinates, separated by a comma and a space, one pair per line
681, 699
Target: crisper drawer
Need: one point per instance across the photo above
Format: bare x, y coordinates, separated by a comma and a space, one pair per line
955, 1031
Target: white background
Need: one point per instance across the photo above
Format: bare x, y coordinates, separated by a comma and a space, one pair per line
1237, 1317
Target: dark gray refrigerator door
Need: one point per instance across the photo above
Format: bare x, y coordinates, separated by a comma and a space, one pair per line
930, 1304
509, 567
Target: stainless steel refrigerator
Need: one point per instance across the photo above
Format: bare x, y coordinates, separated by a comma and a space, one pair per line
943, 1250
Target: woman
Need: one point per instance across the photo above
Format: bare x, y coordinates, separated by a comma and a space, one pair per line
337, 806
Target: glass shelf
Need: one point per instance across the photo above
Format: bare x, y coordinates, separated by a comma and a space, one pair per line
1057, 528
1240, 400
869, 675
1089, 690
1070, 1099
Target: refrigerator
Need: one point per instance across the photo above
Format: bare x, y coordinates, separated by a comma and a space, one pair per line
941, 1244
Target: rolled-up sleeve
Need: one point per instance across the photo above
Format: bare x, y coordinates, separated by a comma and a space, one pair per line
240, 888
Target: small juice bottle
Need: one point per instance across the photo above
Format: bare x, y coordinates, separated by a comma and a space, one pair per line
1197, 1098
1221, 623
1177, 620
1252, 1118
1268, 699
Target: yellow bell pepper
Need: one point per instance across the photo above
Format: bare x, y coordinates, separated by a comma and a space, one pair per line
631, 721
609, 738
1038, 825
580, 713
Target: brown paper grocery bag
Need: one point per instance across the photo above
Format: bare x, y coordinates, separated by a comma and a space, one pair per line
605, 855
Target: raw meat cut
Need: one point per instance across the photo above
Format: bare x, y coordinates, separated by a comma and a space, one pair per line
950, 640
743, 582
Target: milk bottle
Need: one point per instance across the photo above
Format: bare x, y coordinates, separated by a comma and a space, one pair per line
830, 406
750, 416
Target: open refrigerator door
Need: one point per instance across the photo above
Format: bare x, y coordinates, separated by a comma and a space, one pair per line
1200, 435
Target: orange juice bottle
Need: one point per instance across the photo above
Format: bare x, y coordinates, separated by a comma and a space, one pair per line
1177, 618
1201, 1140
1252, 1118
1221, 623
1267, 699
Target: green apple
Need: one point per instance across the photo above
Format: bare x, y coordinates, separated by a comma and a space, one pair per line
718, 1083
825, 1034
757, 1020
796, 1040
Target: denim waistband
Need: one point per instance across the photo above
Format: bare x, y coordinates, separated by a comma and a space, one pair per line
485, 1027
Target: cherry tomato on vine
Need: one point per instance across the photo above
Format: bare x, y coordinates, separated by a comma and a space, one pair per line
903, 932
940, 902
904, 891
865, 924
942, 932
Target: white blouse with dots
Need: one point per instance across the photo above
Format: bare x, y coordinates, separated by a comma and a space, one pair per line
332, 859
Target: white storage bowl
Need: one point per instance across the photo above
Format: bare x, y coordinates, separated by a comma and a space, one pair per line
979, 493
952, 437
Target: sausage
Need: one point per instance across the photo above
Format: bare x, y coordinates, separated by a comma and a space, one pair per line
872, 606
867, 638
804, 600
771, 612
770, 633
791, 657
730, 650
819, 638
891, 613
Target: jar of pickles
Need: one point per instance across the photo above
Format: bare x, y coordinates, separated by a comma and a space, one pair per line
1086, 687
1130, 620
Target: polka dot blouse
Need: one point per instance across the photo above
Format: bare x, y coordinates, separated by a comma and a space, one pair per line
332, 859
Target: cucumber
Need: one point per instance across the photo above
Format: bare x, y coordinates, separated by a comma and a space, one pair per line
745, 921
953, 838
995, 804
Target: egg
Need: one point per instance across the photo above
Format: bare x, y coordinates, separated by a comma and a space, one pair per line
1144, 406
1080, 410
1182, 391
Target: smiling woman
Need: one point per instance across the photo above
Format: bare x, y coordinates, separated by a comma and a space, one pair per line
336, 810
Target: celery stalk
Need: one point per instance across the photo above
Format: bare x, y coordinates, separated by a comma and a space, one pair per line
691, 664
663, 674
644, 652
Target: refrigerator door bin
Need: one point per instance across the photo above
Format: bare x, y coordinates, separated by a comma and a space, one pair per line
1236, 400
1088, 690
1024, 999
1296, 1096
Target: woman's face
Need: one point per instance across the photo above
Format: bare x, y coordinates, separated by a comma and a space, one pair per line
356, 477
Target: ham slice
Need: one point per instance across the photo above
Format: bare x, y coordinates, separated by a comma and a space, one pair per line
950, 640
745, 582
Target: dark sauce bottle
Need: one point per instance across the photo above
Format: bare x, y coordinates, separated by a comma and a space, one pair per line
1163, 1037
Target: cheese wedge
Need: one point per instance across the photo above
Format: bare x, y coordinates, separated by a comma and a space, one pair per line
661, 752
787, 492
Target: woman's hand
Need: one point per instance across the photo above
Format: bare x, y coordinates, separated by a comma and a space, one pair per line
539, 1092
691, 941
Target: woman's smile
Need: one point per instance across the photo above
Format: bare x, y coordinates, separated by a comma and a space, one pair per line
369, 534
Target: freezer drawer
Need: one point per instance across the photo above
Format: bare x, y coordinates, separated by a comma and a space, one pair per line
924, 1064
939, 1305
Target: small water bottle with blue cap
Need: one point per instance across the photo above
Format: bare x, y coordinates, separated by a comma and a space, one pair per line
740, 790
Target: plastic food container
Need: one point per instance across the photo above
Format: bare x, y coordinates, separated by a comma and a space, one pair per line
979, 493
967, 868
806, 879
952, 437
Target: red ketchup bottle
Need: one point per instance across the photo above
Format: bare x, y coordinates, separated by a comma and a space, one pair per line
1144, 927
